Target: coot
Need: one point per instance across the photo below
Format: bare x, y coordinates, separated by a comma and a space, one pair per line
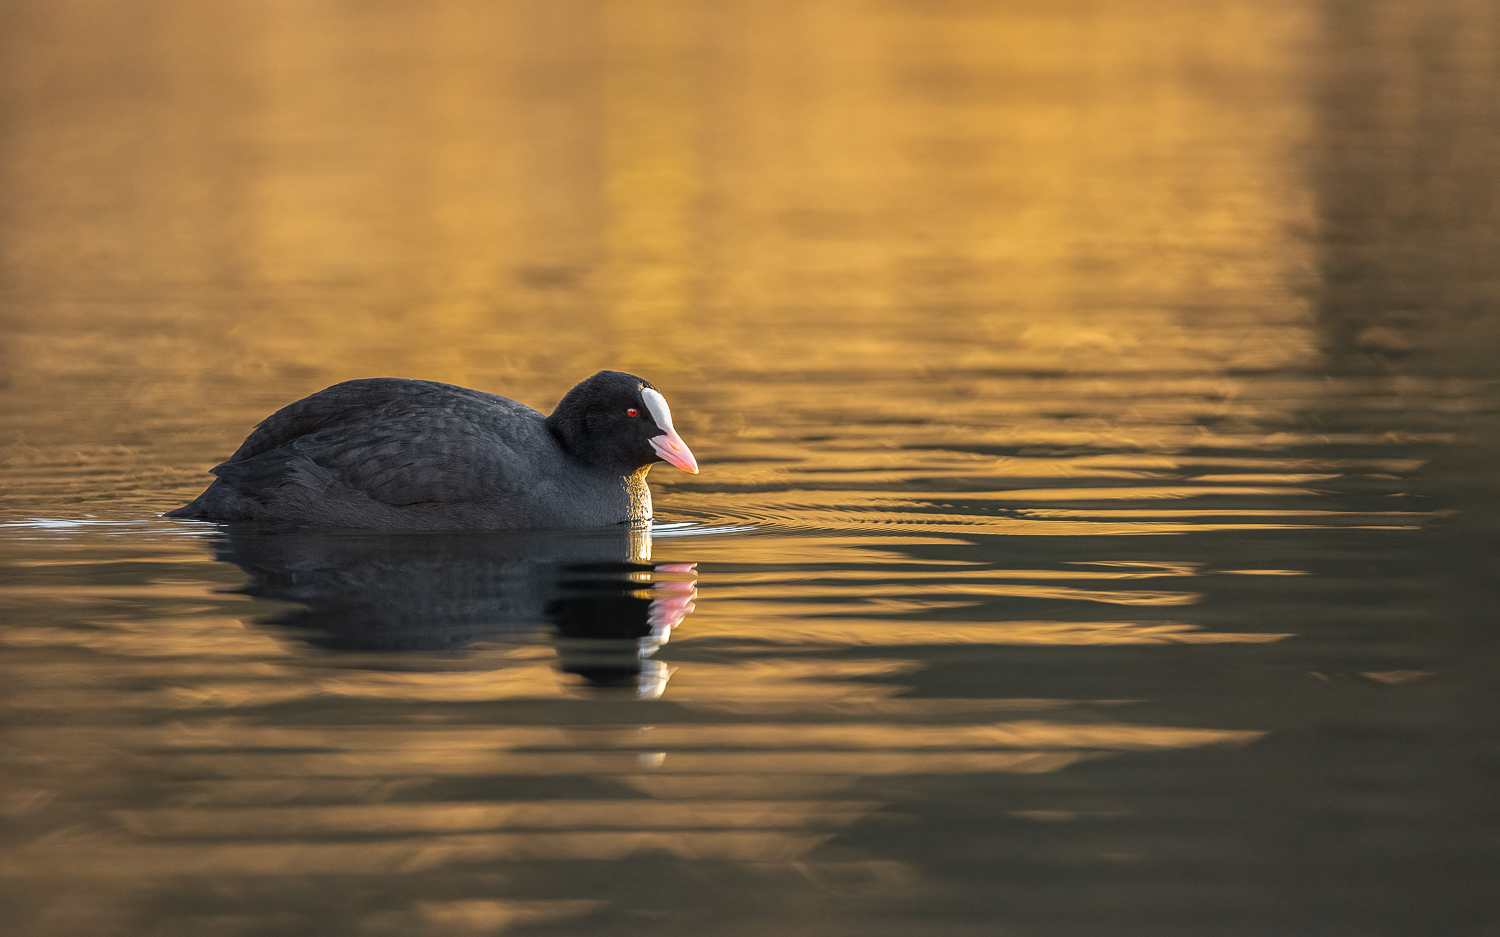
395, 454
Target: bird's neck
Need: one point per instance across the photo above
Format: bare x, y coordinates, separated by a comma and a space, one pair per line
570, 433
640, 496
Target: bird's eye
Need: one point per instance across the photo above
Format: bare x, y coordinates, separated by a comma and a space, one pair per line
632, 411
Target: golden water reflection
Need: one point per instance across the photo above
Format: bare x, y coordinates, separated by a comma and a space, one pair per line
768, 771
1030, 501
512, 197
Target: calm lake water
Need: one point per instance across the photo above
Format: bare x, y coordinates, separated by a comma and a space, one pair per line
1097, 531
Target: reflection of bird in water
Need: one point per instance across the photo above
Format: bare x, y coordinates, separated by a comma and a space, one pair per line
442, 592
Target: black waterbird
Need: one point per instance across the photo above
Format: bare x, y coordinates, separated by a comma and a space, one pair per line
395, 454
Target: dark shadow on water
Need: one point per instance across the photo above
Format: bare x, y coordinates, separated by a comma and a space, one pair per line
1407, 195
592, 591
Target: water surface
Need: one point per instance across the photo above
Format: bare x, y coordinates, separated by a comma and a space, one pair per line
1096, 528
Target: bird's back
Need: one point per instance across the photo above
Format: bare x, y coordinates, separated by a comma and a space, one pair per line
355, 403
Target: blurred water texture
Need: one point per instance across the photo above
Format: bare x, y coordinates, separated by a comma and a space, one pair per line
1097, 531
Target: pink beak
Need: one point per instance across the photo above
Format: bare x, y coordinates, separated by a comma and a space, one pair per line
670, 447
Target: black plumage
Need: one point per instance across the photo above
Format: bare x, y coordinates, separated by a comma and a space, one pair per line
397, 454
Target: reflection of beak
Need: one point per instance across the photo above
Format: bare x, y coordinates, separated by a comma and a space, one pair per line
671, 448
675, 604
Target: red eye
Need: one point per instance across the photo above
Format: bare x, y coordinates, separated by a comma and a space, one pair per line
632, 412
